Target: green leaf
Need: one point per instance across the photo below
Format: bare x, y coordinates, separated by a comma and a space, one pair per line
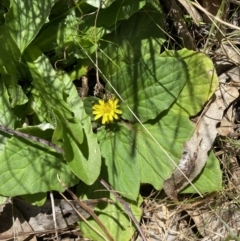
130, 61
174, 128
8, 119
132, 40
121, 160
209, 180
7, 116
10, 55
46, 82
17, 95
112, 216
28, 168
81, 149
132, 157
117, 222
59, 32
73, 127
170, 132
154, 152
37, 199
149, 87
25, 19
201, 83
42, 111
117, 11
58, 132
84, 158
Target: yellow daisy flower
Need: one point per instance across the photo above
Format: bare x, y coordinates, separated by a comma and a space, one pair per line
108, 110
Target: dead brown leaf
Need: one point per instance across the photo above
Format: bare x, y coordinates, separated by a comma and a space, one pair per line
196, 149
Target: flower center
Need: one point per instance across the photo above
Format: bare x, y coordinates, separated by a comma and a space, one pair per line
107, 108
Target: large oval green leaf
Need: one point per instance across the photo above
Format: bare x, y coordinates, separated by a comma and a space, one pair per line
28, 168
149, 87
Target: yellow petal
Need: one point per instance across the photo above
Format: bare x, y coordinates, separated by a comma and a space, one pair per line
116, 101
118, 111
97, 116
115, 116
101, 102
96, 112
110, 117
104, 119
95, 107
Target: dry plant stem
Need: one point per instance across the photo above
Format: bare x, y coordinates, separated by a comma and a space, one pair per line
197, 5
126, 208
96, 52
81, 216
15, 233
83, 91
182, 30
33, 138
87, 209
54, 215
192, 11
60, 60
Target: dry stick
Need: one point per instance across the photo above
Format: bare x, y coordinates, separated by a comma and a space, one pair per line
54, 215
125, 206
96, 52
34, 138
87, 209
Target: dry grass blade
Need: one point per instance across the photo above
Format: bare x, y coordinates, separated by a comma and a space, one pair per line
197, 5
54, 215
196, 17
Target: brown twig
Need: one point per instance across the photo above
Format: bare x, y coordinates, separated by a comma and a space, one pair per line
33, 138
125, 206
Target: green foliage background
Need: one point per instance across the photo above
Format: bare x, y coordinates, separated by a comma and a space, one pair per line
44, 47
